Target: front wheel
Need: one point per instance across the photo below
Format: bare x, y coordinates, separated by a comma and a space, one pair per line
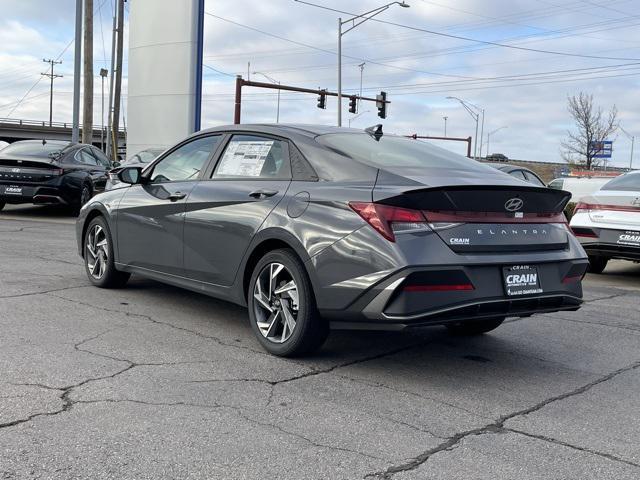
474, 327
282, 307
98, 256
597, 264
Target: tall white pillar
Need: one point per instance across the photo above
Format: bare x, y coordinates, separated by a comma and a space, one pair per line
163, 72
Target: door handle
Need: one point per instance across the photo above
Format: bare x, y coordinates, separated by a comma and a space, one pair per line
176, 196
263, 193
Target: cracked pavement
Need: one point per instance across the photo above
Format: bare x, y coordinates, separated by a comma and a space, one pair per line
155, 382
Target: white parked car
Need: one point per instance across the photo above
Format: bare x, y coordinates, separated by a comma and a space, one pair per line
579, 186
607, 223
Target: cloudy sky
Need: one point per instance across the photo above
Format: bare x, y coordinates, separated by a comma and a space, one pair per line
585, 45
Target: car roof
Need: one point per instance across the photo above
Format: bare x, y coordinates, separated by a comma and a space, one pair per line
285, 129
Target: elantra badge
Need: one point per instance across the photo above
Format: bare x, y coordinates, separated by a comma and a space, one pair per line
513, 204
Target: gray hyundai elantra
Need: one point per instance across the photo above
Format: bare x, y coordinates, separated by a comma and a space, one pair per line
317, 227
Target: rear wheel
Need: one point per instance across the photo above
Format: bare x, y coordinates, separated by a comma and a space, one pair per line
474, 327
282, 307
98, 256
597, 263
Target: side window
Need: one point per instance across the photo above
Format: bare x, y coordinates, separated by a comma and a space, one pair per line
186, 162
556, 184
518, 174
101, 157
84, 157
250, 156
533, 179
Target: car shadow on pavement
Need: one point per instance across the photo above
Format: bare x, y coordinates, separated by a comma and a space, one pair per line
38, 211
428, 345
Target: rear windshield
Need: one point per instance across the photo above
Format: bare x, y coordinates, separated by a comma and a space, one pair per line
34, 149
394, 151
626, 183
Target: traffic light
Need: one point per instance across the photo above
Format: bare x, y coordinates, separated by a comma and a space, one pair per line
381, 104
353, 104
322, 99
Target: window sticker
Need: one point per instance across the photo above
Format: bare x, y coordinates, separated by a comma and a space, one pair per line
245, 158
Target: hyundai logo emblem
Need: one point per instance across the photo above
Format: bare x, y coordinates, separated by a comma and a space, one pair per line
15, 170
513, 204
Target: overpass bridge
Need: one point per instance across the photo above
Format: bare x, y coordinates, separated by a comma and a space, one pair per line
12, 129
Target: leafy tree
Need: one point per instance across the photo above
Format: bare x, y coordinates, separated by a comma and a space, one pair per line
591, 126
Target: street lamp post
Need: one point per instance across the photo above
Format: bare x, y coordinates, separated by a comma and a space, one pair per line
632, 138
476, 112
271, 79
489, 137
356, 21
103, 74
445, 125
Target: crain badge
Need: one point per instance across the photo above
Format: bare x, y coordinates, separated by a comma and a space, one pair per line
459, 241
513, 204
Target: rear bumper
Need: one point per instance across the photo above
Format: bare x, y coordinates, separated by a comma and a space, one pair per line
35, 194
389, 306
610, 243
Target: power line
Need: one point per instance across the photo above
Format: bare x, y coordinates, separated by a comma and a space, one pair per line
360, 59
467, 39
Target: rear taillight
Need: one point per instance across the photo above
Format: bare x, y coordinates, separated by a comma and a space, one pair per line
492, 217
584, 232
388, 220
583, 207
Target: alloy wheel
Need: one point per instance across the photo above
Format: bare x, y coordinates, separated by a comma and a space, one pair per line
276, 303
97, 252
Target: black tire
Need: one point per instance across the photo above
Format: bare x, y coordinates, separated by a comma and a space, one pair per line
597, 264
110, 278
310, 330
2, 204
474, 327
85, 194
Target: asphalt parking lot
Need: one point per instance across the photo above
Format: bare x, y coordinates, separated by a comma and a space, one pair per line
153, 382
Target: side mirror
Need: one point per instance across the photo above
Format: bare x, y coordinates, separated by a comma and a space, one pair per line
130, 175
115, 164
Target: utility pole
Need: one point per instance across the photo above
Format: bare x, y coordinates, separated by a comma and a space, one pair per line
118, 82
75, 131
445, 125
87, 111
361, 73
110, 106
103, 75
51, 76
633, 139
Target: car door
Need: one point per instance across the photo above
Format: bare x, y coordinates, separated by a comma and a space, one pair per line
83, 164
150, 216
224, 211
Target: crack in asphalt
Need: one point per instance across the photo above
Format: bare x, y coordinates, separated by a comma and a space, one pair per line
497, 426
302, 437
575, 447
149, 318
44, 292
414, 394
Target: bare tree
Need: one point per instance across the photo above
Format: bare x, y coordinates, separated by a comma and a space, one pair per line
591, 126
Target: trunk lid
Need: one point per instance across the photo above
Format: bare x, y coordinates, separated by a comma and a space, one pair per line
481, 213
613, 207
27, 169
